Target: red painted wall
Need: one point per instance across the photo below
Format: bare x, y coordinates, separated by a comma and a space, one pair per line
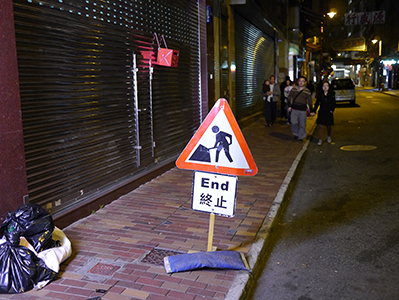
13, 182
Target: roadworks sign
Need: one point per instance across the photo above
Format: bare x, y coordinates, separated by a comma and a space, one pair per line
218, 146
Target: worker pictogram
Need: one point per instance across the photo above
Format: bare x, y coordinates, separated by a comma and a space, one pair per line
218, 146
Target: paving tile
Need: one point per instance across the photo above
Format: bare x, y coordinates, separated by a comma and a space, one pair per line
217, 288
175, 287
127, 240
115, 296
145, 274
131, 277
159, 297
157, 269
94, 286
136, 293
169, 278
78, 291
155, 290
196, 284
186, 275
148, 281
56, 287
181, 296
209, 279
30, 295
202, 292
56, 295
71, 275
117, 289
129, 284
78, 298
72, 282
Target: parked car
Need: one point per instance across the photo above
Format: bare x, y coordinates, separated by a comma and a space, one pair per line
344, 90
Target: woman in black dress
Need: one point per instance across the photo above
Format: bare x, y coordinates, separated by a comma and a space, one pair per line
326, 101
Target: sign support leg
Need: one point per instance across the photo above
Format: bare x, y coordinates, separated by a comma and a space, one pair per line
210, 232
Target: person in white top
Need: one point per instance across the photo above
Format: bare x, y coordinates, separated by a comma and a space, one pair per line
271, 102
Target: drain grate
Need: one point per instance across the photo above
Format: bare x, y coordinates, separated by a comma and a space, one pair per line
104, 269
155, 257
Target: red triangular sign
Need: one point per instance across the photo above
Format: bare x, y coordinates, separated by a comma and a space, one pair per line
218, 146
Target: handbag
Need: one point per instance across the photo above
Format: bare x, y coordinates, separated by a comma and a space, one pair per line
166, 57
307, 106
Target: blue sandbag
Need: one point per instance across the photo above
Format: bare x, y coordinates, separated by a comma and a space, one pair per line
218, 260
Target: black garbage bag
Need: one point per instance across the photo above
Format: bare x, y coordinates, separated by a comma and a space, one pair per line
20, 268
34, 223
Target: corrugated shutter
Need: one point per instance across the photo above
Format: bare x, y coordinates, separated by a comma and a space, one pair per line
254, 63
88, 125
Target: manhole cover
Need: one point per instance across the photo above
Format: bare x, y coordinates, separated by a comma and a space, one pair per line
358, 148
156, 256
104, 269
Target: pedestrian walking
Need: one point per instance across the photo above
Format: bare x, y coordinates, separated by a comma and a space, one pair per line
283, 98
311, 87
265, 92
325, 117
299, 101
319, 86
271, 102
287, 90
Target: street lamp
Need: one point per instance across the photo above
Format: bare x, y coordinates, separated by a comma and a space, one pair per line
332, 13
374, 41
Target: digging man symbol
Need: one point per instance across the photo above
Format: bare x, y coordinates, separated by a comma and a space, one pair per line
222, 143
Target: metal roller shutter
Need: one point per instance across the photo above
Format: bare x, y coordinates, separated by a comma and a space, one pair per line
254, 63
94, 112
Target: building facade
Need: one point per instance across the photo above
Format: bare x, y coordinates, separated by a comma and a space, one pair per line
94, 113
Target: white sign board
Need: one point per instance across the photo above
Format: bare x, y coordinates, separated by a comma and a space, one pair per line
214, 193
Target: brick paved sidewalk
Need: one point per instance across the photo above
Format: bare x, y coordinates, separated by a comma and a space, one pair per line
118, 251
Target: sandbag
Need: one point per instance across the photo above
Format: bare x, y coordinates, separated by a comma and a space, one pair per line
217, 259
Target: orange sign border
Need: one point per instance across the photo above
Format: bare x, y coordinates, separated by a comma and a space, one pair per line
221, 104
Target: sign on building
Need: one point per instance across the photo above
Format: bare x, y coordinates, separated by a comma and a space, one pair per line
378, 17
353, 44
365, 18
